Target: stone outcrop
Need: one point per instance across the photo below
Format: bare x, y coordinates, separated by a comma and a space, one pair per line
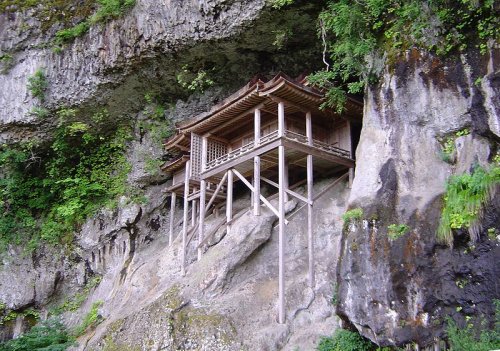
400, 291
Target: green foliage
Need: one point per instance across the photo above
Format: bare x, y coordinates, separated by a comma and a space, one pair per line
465, 198
344, 340
91, 319
352, 215
356, 34
6, 63
107, 10
39, 112
37, 84
277, 4
281, 37
449, 144
194, 81
50, 335
470, 339
395, 231
47, 194
73, 303
110, 9
70, 34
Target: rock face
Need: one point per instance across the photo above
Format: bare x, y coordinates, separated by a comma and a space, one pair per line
399, 291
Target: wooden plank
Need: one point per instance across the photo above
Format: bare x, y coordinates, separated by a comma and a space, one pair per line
281, 237
185, 222
172, 218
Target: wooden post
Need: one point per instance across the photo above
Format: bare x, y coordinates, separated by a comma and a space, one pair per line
194, 209
229, 200
281, 119
172, 216
185, 222
351, 151
256, 165
203, 191
281, 238
201, 227
310, 238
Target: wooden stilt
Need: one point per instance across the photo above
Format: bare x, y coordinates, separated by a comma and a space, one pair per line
285, 180
256, 165
201, 227
229, 200
194, 210
281, 119
281, 235
310, 237
203, 194
256, 185
185, 222
172, 217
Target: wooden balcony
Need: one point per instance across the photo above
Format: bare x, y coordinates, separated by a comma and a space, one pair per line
296, 144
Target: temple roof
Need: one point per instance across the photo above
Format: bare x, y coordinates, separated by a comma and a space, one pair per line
265, 95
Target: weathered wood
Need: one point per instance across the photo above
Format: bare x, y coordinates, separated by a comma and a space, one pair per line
201, 221
216, 192
288, 191
256, 184
317, 152
264, 200
281, 236
310, 238
265, 147
256, 165
281, 119
172, 218
236, 118
185, 222
229, 199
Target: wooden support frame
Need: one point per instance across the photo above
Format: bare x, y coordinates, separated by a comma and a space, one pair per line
288, 191
256, 165
172, 218
281, 235
264, 200
229, 200
185, 222
310, 237
216, 192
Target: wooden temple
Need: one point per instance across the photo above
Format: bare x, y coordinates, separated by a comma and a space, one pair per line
272, 132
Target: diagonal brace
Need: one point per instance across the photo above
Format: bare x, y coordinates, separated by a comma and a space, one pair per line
291, 192
264, 200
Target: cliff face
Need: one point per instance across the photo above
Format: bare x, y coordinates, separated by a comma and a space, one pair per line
393, 291
397, 291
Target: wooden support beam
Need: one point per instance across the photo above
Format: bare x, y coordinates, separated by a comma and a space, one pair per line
281, 119
293, 193
229, 199
264, 200
216, 192
236, 118
256, 165
172, 217
256, 185
310, 238
185, 222
201, 227
281, 236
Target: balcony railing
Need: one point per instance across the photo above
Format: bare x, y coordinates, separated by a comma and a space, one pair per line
274, 136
